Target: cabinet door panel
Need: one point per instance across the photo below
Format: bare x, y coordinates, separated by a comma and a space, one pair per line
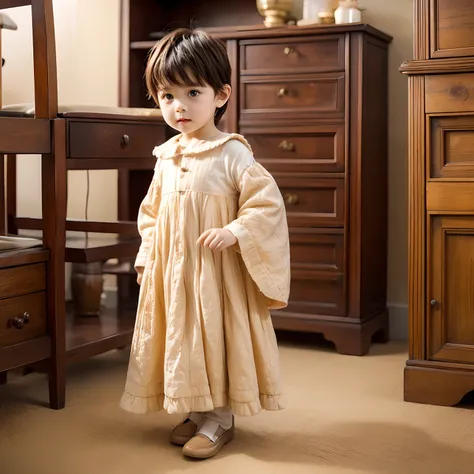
452, 28
451, 289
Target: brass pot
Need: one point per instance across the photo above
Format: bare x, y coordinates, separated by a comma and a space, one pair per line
326, 16
276, 12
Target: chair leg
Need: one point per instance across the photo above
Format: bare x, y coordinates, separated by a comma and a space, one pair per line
57, 386
3, 378
54, 176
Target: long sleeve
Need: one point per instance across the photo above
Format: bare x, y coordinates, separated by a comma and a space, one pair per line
262, 232
146, 220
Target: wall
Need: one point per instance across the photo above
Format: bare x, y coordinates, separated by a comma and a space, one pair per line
396, 19
88, 45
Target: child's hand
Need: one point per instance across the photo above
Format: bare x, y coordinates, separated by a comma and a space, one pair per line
217, 239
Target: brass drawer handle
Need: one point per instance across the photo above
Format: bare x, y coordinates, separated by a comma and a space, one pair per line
288, 50
282, 92
19, 322
124, 141
286, 146
290, 198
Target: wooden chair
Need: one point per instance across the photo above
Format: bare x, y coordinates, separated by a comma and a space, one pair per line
35, 135
71, 138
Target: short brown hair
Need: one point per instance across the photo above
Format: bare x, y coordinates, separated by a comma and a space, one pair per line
189, 57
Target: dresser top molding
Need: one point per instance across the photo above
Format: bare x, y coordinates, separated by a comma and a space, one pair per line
261, 32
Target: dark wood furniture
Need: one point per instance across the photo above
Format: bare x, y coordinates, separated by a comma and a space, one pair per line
107, 138
440, 369
312, 101
97, 141
30, 289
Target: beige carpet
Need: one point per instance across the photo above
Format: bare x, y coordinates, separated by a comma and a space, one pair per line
345, 415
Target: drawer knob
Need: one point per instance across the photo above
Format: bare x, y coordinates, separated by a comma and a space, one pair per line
124, 141
290, 198
286, 146
19, 322
433, 302
282, 92
288, 50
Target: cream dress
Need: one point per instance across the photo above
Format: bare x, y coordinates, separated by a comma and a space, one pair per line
203, 335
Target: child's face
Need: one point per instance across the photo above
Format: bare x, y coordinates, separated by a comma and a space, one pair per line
190, 109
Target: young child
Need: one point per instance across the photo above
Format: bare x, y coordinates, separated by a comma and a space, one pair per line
214, 259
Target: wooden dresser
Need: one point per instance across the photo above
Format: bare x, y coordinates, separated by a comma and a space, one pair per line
312, 102
440, 369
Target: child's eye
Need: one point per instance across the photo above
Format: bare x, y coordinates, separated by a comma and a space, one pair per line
167, 96
193, 93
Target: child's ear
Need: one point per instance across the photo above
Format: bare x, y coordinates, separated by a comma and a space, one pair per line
223, 95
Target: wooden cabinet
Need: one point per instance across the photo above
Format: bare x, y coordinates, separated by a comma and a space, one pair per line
440, 369
312, 102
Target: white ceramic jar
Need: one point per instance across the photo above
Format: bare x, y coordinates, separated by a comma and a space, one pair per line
347, 12
341, 15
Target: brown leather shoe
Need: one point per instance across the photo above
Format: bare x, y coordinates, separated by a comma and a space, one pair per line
201, 447
183, 432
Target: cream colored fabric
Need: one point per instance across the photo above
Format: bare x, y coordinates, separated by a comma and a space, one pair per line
204, 336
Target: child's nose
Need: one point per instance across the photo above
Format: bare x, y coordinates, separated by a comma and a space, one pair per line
180, 107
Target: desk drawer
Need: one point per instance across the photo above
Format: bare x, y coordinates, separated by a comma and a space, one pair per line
22, 318
22, 280
287, 55
310, 149
313, 202
308, 95
113, 140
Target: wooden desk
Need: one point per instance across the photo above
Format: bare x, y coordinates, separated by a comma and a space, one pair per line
94, 141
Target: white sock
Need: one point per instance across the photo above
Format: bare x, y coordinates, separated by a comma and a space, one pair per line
215, 422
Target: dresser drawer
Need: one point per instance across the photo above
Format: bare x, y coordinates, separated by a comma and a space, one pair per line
313, 149
451, 141
313, 202
292, 55
113, 140
317, 249
316, 293
22, 318
268, 97
21, 280
447, 93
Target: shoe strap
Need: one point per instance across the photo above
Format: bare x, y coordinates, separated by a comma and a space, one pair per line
209, 429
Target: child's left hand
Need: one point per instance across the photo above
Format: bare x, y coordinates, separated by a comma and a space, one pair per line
217, 239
